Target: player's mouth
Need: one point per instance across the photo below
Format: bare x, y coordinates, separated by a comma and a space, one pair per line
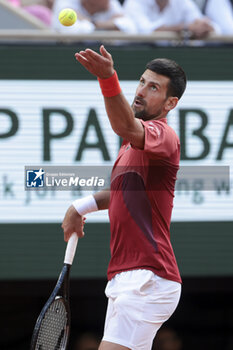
138, 102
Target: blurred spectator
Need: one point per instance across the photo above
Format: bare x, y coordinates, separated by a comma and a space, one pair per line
182, 16
93, 15
15, 3
42, 12
87, 341
220, 12
167, 339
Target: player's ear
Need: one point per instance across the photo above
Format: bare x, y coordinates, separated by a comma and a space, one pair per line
171, 103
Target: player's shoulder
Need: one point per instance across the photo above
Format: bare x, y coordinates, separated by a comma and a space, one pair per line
161, 126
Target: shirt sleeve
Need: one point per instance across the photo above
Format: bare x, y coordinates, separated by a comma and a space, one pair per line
125, 24
161, 142
137, 11
221, 13
190, 11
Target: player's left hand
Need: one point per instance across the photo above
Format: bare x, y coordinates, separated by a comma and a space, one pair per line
73, 222
100, 65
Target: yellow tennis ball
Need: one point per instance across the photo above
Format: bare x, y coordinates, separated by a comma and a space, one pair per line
67, 17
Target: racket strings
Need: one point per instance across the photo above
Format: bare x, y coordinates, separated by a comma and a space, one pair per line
52, 331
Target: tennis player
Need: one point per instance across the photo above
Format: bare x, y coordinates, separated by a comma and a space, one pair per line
144, 283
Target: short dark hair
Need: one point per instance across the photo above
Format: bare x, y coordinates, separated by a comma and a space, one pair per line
172, 70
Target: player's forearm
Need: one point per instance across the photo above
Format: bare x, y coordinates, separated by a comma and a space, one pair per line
102, 199
74, 218
95, 202
123, 121
120, 114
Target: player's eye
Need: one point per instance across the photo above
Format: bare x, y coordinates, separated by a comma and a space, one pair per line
142, 81
153, 87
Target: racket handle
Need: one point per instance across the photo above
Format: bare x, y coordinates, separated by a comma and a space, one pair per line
71, 249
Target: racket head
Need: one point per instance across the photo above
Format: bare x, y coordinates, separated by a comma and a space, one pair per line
52, 328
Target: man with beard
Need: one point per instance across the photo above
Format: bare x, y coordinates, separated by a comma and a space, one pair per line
144, 283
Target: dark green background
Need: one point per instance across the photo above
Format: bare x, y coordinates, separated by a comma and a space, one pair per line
58, 62
36, 250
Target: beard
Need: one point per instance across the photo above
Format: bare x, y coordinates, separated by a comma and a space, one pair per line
145, 116
142, 113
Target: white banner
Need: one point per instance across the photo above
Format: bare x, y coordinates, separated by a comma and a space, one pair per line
64, 123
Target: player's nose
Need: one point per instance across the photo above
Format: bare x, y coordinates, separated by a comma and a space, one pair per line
141, 92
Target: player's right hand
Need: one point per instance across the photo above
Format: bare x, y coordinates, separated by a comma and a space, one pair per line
73, 222
99, 64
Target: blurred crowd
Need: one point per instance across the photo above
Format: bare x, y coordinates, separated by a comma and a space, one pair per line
166, 339
191, 18
87, 341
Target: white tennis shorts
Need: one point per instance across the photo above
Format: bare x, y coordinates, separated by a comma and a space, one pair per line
139, 303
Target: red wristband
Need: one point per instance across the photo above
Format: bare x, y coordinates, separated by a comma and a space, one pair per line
110, 87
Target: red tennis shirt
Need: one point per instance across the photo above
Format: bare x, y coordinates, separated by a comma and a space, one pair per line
141, 202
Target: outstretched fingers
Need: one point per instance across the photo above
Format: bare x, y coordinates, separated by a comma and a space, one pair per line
99, 64
105, 53
87, 58
83, 60
93, 55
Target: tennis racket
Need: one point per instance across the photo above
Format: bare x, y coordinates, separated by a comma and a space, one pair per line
52, 327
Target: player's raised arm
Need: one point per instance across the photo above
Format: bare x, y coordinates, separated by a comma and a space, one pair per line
120, 113
74, 219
